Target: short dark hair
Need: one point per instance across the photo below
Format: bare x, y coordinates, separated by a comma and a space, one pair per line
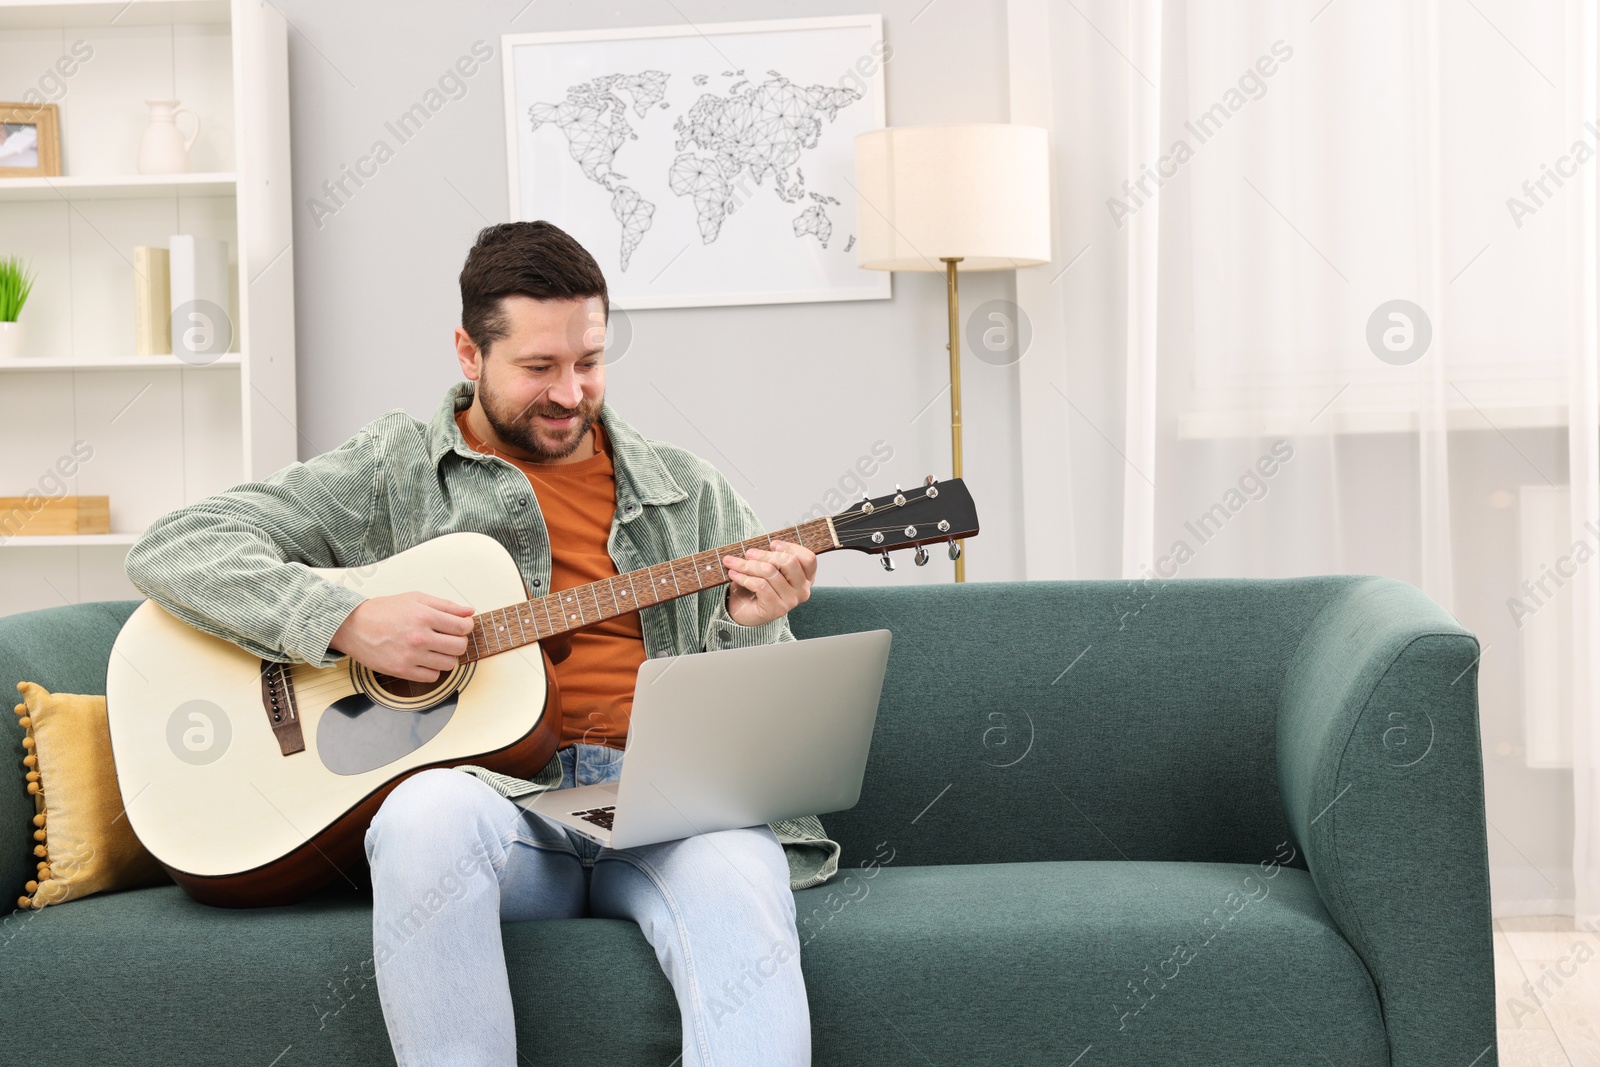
537, 259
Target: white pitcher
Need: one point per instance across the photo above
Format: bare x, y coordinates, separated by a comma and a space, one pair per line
163, 149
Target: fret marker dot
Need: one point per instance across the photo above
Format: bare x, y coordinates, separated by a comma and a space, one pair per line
572, 616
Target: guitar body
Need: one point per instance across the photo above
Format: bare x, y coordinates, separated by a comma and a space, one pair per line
254, 782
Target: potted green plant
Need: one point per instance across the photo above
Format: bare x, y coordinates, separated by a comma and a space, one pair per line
16, 282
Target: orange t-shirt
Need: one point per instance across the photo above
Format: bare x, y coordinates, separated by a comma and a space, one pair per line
578, 501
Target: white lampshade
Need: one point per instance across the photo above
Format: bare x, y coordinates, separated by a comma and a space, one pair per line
981, 192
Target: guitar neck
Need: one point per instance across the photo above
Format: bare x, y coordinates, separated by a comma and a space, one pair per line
516, 625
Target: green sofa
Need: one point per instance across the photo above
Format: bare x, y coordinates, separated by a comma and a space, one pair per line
1192, 822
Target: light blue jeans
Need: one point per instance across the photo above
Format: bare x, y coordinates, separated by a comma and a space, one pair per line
452, 859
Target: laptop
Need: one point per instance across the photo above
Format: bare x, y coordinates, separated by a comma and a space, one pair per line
735, 737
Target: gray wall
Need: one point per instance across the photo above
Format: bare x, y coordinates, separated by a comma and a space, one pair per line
785, 399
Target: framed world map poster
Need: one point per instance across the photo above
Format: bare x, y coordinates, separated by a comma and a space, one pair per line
701, 165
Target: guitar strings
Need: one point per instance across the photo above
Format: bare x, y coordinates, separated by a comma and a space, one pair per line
850, 521
339, 678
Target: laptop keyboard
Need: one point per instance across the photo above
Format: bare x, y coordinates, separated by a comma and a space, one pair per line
598, 816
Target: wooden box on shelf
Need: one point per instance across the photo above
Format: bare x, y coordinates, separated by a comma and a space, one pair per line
66, 515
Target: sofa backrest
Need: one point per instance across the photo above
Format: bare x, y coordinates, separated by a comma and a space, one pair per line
1073, 720
1019, 720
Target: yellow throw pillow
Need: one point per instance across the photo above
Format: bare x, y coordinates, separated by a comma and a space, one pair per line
81, 836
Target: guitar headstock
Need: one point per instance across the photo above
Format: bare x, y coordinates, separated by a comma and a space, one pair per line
931, 513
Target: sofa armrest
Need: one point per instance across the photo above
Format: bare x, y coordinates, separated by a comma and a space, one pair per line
1381, 772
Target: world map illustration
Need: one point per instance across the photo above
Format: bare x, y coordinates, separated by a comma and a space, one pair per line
749, 132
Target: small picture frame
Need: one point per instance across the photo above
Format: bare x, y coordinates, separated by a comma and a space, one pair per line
30, 141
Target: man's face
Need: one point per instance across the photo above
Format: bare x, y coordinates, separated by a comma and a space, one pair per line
541, 386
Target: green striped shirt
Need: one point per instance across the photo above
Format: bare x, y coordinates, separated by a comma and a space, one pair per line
236, 564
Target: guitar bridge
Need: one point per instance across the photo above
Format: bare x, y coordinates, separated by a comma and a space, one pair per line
283, 714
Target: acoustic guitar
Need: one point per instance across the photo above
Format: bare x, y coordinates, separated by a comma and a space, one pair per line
253, 781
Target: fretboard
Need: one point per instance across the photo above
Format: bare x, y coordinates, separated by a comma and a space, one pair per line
515, 625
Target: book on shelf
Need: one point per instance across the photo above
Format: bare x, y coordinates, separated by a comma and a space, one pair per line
199, 299
152, 301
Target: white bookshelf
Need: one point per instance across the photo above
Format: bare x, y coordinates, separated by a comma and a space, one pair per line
101, 14
222, 362
121, 187
164, 432
73, 540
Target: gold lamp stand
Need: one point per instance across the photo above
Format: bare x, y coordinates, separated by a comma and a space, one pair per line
952, 299
980, 189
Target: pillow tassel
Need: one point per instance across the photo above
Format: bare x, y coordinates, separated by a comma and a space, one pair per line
30, 897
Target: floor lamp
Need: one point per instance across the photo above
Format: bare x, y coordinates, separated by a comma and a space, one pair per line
929, 197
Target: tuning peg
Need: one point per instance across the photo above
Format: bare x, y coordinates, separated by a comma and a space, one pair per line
866, 503
888, 564
955, 551
921, 557
928, 479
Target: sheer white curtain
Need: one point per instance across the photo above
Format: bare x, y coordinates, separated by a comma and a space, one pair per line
1324, 301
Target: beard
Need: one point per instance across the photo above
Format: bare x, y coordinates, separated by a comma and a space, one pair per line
519, 428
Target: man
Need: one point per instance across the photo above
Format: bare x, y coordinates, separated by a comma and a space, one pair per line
532, 455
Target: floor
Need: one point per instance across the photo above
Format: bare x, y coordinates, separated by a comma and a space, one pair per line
1547, 992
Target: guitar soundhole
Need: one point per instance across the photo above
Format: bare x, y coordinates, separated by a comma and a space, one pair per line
402, 694
404, 688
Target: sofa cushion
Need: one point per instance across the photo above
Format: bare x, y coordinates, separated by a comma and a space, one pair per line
1032, 962
983, 963
150, 976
